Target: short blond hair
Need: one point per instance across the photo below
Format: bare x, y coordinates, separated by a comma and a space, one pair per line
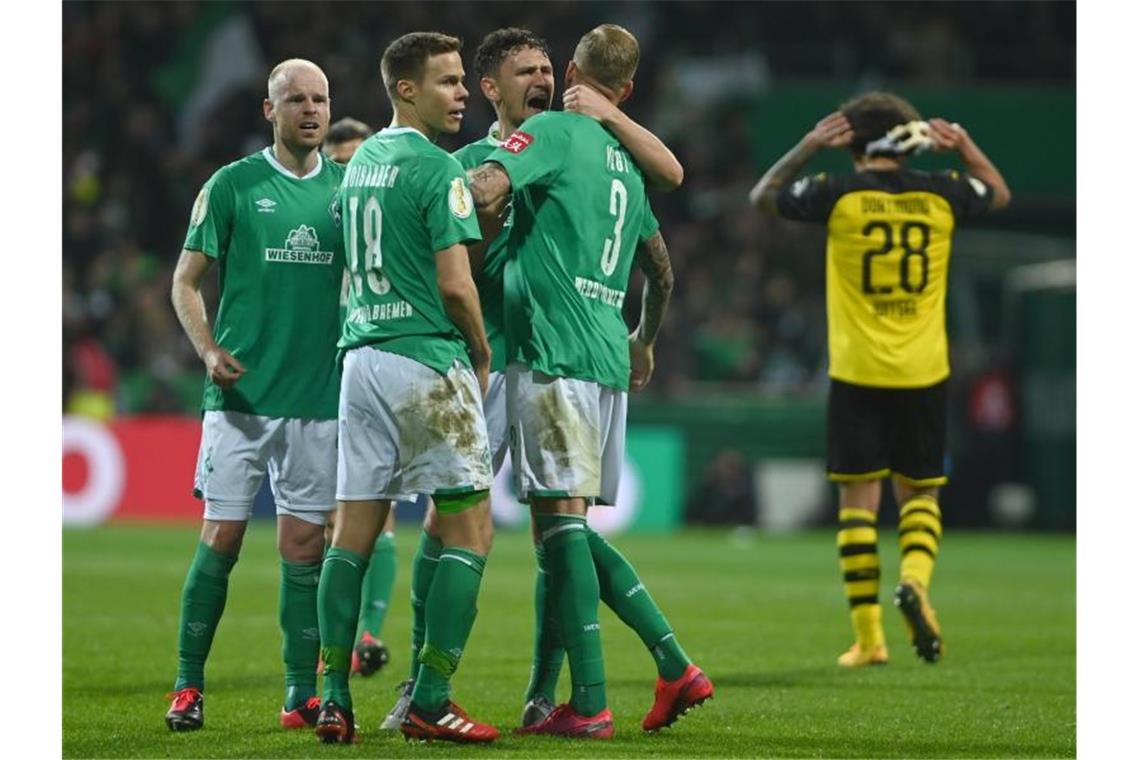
609, 54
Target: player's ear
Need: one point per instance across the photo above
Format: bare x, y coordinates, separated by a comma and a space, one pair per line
571, 73
267, 109
625, 91
406, 90
490, 89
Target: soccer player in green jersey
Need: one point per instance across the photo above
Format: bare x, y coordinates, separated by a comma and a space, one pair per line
416, 361
516, 76
370, 653
578, 226
270, 396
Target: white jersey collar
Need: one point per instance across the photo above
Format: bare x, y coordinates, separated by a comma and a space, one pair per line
272, 159
493, 134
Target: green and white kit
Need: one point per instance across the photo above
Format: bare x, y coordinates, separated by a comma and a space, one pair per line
280, 262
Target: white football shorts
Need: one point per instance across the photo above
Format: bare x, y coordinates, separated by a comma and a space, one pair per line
567, 436
404, 428
238, 449
495, 412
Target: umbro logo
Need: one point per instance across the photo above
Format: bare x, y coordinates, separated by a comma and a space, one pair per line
266, 206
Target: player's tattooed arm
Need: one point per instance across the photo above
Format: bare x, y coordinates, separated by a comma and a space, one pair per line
653, 259
662, 169
490, 187
186, 296
832, 131
491, 191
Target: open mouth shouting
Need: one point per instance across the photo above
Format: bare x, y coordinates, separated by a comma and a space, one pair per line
537, 100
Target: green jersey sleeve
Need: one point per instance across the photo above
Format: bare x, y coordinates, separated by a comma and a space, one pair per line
649, 223
211, 220
534, 155
446, 202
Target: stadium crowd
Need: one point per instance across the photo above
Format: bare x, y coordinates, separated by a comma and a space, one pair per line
148, 116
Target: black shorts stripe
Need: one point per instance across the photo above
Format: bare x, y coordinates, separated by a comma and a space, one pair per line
852, 550
856, 523
918, 548
855, 601
868, 574
920, 529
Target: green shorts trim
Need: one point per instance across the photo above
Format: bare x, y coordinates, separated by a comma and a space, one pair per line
454, 503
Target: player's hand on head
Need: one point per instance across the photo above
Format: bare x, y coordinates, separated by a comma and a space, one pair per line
832, 131
588, 102
224, 369
640, 364
946, 136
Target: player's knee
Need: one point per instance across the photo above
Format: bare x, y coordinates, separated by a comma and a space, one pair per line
224, 536
300, 541
465, 520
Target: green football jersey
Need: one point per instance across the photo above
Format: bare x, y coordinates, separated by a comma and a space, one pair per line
580, 210
490, 279
280, 261
403, 198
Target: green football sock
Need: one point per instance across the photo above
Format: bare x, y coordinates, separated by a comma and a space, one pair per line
301, 640
424, 565
450, 612
574, 592
377, 590
203, 599
338, 602
548, 651
625, 594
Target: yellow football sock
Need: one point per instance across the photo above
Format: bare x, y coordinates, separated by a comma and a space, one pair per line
859, 561
920, 530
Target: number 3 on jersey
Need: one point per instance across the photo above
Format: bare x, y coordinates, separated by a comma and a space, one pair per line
611, 250
373, 259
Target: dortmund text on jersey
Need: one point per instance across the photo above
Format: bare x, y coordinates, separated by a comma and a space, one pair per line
580, 211
403, 199
280, 266
888, 258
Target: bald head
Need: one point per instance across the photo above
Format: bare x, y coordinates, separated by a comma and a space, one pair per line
297, 104
285, 71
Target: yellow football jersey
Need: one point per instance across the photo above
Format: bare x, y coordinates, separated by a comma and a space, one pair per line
888, 259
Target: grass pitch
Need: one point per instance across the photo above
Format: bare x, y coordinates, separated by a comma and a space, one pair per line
764, 616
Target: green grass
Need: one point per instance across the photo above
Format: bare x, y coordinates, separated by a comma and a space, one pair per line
764, 616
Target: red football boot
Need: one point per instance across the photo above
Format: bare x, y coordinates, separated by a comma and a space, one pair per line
672, 699
564, 721
304, 716
450, 724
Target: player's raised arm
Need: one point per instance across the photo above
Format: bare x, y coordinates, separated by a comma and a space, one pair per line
661, 168
832, 131
653, 259
186, 295
491, 190
461, 302
952, 137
